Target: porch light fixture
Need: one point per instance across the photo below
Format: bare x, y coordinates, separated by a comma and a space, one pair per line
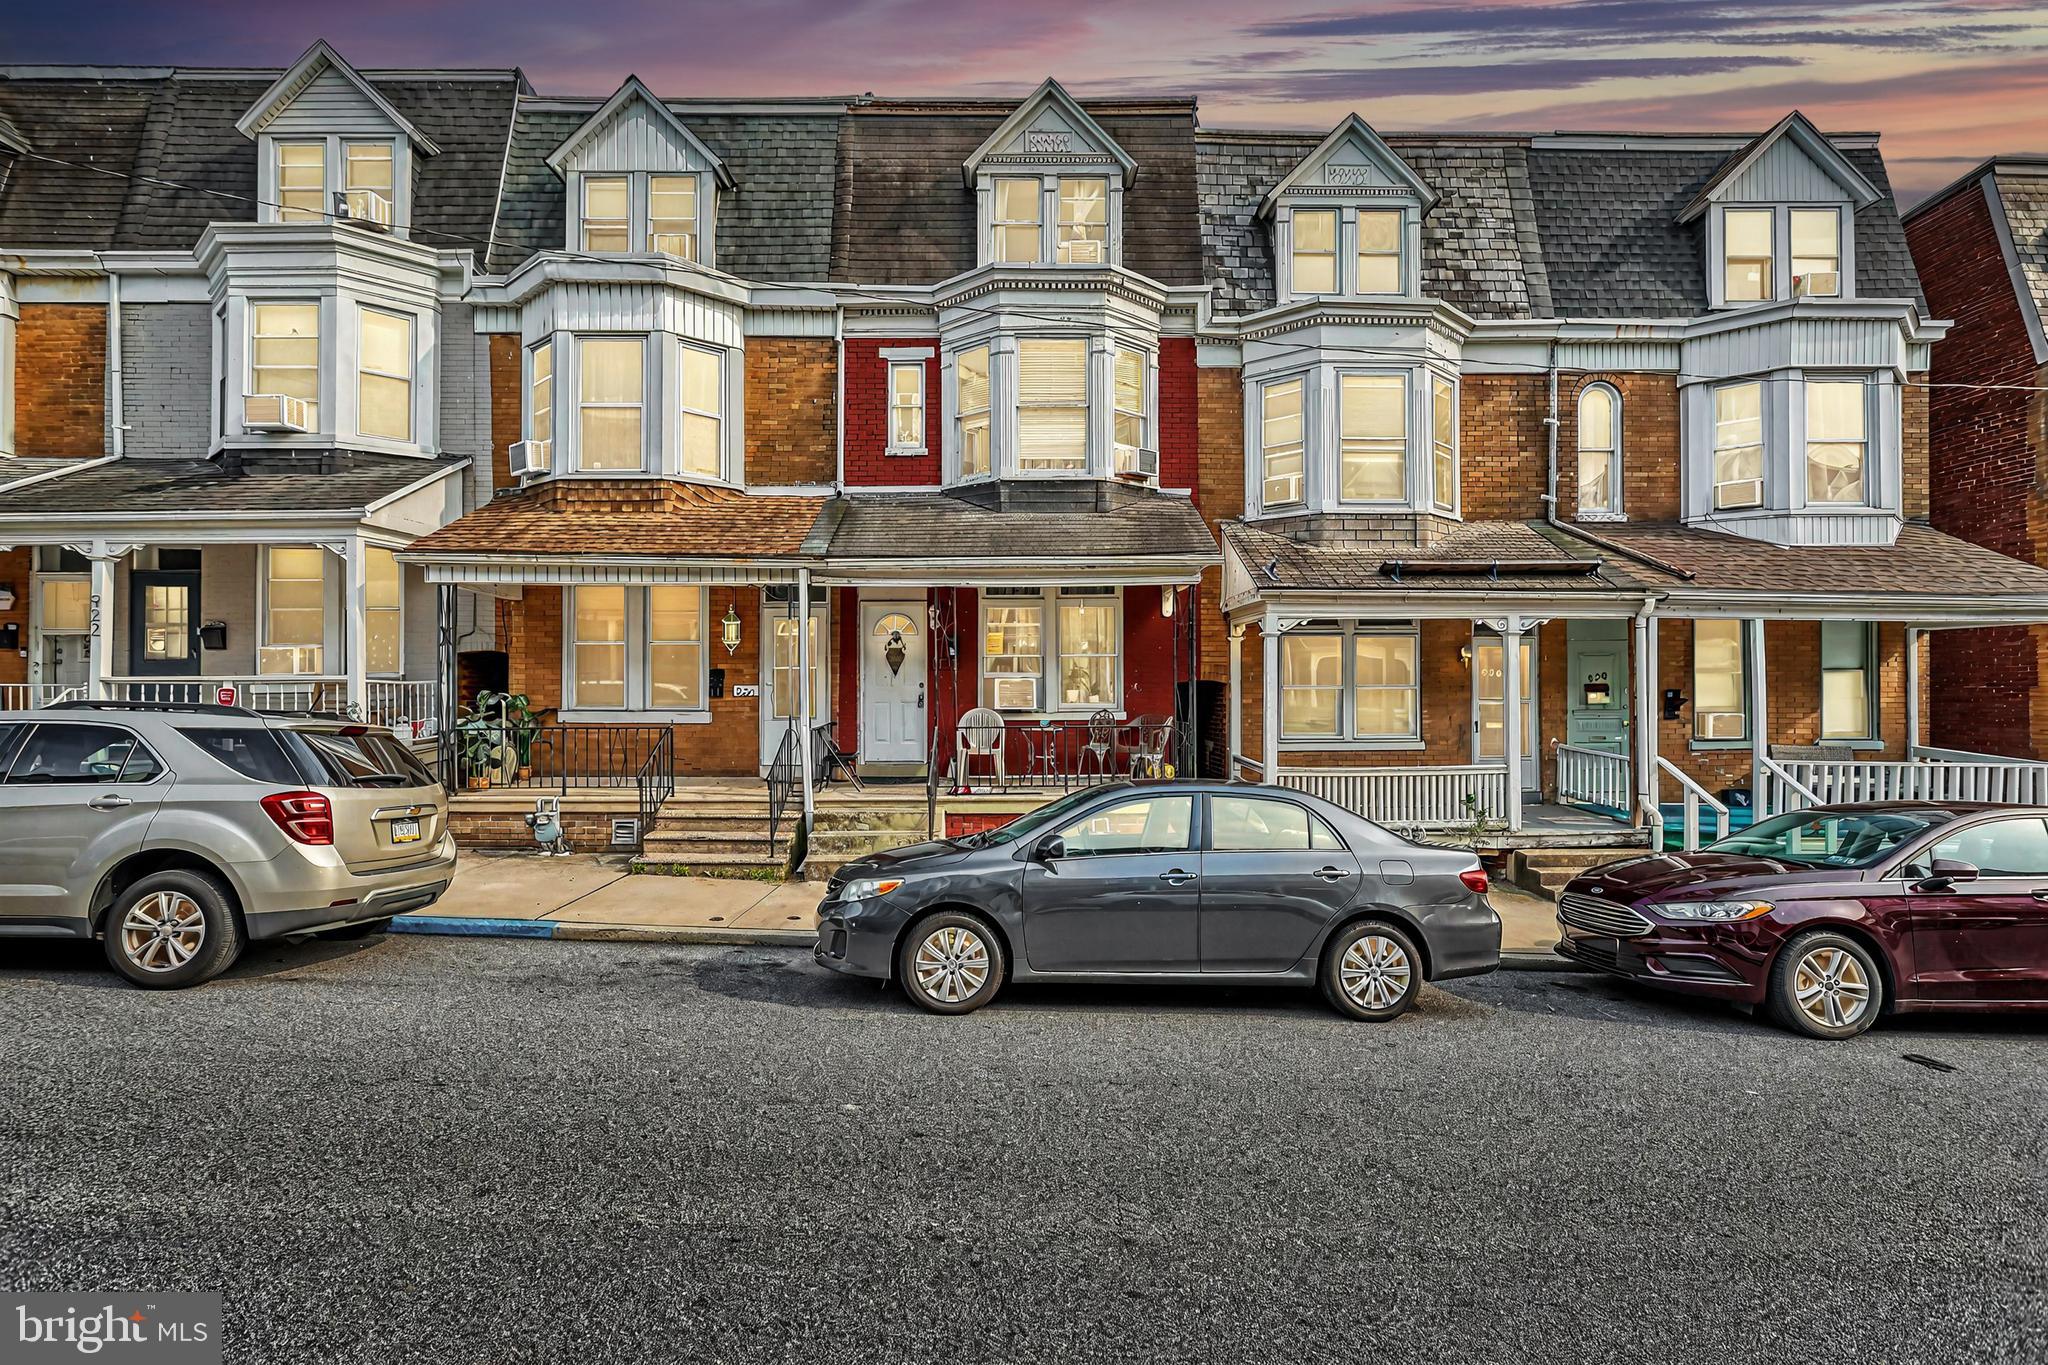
1167, 592
1465, 655
729, 630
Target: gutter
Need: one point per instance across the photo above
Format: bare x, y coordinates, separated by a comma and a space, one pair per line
1400, 569
116, 428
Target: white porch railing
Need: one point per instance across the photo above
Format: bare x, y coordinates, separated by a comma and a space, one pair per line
1934, 775
1425, 798
403, 704
28, 696
1594, 777
1695, 797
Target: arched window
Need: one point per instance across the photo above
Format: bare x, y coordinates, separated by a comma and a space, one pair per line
1599, 452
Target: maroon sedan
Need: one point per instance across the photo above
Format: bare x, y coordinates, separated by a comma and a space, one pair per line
1834, 915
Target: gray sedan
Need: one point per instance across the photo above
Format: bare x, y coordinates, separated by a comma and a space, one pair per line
1166, 881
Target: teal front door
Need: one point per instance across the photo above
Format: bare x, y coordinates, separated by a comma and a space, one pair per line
1596, 685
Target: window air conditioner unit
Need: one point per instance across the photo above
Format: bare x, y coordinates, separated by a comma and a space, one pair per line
1817, 284
276, 412
1084, 252
1723, 725
1137, 463
531, 457
366, 208
1014, 694
681, 244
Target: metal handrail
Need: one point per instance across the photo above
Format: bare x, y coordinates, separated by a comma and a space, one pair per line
1694, 795
656, 781
934, 776
782, 778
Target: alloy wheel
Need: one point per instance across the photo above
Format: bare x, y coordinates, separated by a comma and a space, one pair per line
1831, 987
1374, 972
163, 931
952, 964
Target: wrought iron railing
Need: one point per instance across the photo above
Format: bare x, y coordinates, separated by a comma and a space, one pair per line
785, 772
496, 755
657, 781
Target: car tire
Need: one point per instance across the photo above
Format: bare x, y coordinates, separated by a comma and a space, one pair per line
951, 963
1371, 971
1826, 985
172, 929
367, 929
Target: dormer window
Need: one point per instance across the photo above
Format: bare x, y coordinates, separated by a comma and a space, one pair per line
331, 148
1817, 253
1084, 221
1746, 253
1049, 185
1379, 251
607, 213
1315, 251
301, 182
672, 215
639, 181
1014, 224
1347, 220
366, 181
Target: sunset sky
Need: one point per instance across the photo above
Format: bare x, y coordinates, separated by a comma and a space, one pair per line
1946, 81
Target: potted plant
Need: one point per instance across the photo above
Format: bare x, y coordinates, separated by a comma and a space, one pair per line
481, 732
521, 727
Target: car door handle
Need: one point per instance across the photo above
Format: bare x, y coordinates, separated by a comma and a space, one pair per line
2041, 895
1176, 877
1333, 874
110, 801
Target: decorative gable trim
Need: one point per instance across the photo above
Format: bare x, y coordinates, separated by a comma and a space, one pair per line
1053, 115
665, 119
1796, 128
317, 60
1354, 132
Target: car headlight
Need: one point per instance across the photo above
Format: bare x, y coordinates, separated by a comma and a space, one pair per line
867, 888
1714, 910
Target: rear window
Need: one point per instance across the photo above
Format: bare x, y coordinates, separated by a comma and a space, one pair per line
251, 751
362, 759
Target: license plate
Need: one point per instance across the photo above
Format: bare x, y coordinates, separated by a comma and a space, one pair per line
405, 831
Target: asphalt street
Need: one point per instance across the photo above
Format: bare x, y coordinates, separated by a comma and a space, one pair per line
450, 1150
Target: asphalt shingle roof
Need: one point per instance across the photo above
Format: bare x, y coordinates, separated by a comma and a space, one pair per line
1282, 563
95, 124
1921, 560
2025, 199
312, 481
1053, 520
638, 519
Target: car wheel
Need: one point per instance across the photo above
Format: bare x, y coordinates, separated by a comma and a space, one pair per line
364, 930
951, 963
1371, 970
1826, 985
172, 929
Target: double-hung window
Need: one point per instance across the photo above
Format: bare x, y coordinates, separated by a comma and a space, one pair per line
1052, 404
384, 611
675, 648
703, 409
1084, 221
1599, 451
611, 410
540, 404
1372, 413
1848, 680
1090, 633
971, 411
384, 366
285, 354
1719, 690
1015, 220
637, 648
906, 407
1350, 683
294, 610
302, 182
1012, 648
672, 215
366, 171
1051, 650
1129, 436
597, 647
1837, 432
607, 213
1739, 445
1746, 255
1281, 431
1817, 252
1443, 443
1314, 266
1379, 251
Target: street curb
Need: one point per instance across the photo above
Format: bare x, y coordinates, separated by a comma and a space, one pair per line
461, 926
465, 927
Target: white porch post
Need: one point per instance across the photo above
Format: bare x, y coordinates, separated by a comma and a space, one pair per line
1269, 686
803, 689
1759, 717
1236, 633
355, 622
1912, 692
1511, 702
1648, 713
99, 650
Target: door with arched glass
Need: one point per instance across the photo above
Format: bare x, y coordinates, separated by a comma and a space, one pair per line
892, 684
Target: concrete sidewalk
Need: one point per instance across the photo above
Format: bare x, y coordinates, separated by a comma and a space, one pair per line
595, 896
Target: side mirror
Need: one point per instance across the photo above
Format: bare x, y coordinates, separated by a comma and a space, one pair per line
1051, 849
1944, 873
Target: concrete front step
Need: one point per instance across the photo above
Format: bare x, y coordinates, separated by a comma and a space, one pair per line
1547, 871
755, 843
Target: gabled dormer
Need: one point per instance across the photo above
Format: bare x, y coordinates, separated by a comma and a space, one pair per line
640, 182
1347, 221
330, 147
1049, 186
1780, 219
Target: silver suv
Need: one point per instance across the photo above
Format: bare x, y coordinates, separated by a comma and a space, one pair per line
178, 833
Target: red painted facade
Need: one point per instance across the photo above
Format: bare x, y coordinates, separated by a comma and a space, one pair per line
868, 463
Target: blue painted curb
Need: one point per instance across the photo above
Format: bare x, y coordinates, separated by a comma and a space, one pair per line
478, 928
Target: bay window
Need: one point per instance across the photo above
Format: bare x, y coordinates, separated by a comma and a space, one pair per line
971, 412
1379, 251
1817, 252
703, 374
1014, 223
610, 404
1443, 443
1313, 269
384, 612
1084, 221
1848, 678
1746, 255
607, 213
294, 627
1051, 650
1372, 413
540, 401
635, 649
384, 372
1599, 451
1837, 416
672, 215
1739, 445
1052, 404
1129, 433
1351, 682
1719, 689
302, 182
284, 355
1281, 430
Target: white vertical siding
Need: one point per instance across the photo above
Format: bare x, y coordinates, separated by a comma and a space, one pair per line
330, 103
1784, 174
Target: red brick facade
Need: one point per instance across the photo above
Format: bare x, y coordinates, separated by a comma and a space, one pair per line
868, 462
60, 379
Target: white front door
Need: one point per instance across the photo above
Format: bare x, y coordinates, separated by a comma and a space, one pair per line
1489, 705
892, 655
779, 675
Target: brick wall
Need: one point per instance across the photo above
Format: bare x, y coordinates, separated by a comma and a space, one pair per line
1180, 416
1649, 443
868, 463
15, 568
166, 379
792, 421
1985, 471
60, 379
1219, 493
1504, 446
507, 401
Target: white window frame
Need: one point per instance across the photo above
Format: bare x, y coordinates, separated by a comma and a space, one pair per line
892, 404
1866, 406
1701, 740
1778, 282
264, 579
395, 612
1266, 448
1346, 735
1762, 447
349, 187
696, 219
1113, 598
534, 406
294, 214
717, 418
1792, 212
409, 378
1407, 437
624, 225
1052, 648
963, 416
1083, 403
638, 654
1147, 440
255, 310
582, 339
998, 228
1062, 223
1610, 507
1770, 263
1444, 455
1399, 254
1335, 253
1867, 666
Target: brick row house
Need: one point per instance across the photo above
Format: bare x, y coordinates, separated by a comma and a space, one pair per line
684, 418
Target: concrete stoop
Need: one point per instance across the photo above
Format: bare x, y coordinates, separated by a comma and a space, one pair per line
1546, 871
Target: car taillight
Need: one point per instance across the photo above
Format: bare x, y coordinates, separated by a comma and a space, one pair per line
1475, 880
307, 817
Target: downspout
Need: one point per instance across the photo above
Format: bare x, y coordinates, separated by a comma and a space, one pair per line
839, 394
116, 442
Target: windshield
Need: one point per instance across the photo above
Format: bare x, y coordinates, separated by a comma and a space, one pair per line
1031, 822
1829, 838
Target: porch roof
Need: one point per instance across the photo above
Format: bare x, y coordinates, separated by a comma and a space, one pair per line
1475, 556
303, 484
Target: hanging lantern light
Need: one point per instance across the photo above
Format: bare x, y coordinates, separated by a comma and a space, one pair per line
1167, 593
729, 630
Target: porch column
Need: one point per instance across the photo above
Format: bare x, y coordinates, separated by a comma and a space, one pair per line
1647, 716
445, 671
803, 689
1759, 717
99, 651
1269, 686
1236, 633
1511, 720
355, 622
1912, 691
